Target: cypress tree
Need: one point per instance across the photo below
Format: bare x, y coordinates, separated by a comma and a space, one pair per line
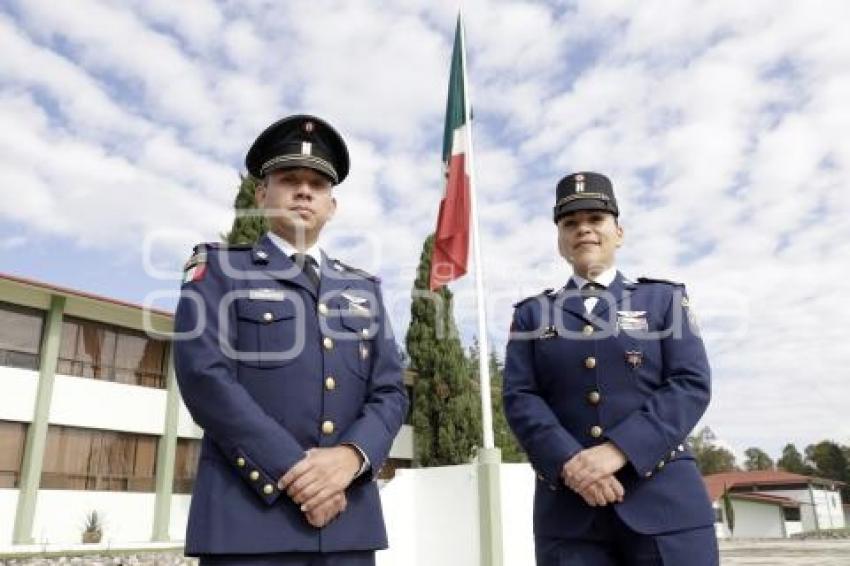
247, 228
446, 415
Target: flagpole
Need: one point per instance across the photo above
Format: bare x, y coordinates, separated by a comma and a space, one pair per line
484, 349
489, 457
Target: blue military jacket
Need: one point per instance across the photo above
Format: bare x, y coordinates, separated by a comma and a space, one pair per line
633, 372
268, 370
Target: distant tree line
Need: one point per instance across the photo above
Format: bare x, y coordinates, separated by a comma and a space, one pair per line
825, 459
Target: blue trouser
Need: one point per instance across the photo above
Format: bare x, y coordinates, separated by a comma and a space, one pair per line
353, 558
612, 543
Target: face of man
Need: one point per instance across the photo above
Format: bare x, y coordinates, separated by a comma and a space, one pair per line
589, 239
298, 202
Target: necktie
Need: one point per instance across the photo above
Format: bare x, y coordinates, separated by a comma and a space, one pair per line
590, 292
308, 267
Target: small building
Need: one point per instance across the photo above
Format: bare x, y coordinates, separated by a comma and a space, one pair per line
774, 504
91, 420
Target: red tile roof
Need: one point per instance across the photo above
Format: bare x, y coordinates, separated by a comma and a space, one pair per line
718, 483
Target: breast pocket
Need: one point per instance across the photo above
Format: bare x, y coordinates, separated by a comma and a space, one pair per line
268, 333
357, 343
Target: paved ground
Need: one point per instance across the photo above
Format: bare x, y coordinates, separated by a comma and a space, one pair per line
786, 553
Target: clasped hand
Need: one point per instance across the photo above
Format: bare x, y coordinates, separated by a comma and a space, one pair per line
318, 481
590, 473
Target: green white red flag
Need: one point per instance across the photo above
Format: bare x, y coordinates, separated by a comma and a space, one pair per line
451, 240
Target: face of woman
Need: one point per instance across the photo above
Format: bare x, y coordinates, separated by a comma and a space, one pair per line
589, 239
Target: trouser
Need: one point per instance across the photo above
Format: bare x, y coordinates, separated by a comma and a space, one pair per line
352, 558
611, 542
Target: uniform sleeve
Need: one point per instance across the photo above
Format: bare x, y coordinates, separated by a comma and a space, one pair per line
257, 446
651, 435
386, 404
548, 444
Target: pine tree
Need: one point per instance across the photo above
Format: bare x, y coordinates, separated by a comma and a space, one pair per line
792, 461
711, 458
446, 415
503, 436
247, 228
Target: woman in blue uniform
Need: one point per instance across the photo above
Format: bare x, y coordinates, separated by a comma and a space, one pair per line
604, 380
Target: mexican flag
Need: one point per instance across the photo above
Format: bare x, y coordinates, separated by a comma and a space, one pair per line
451, 240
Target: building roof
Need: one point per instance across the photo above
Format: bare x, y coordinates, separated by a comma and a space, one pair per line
57, 290
766, 498
718, 483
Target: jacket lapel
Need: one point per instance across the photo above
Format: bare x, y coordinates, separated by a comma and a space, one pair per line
572, 301
619, 290
277, 265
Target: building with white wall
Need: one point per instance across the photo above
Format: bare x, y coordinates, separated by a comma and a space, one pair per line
91, 419
774, 504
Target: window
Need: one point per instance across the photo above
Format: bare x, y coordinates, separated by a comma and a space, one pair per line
100, 351
20, 336
98, 460
186, 464
13, 437
718, 515
791, 513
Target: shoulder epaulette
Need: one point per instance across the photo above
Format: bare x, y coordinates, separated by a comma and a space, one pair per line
654, 280
199, 252
546, 292
357, 271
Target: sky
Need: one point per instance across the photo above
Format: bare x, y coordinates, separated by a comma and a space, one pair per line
723, 125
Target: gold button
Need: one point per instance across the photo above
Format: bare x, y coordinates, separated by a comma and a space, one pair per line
328, 343
540, 477
330, 383
660, 465
364, 333
587, 330
590, 362
268, 489
648, 474
596, 431
681, 448
323, 309
268, 316
594, 397
328, 427
240, 462
254, 475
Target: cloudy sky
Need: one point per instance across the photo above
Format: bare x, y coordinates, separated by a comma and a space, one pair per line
724, 125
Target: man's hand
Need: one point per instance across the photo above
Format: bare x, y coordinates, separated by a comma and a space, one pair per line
591, 465
605, 491
323, 514
321, 474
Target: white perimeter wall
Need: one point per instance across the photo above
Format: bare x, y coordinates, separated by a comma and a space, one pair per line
432, 516
8, 504
60, 515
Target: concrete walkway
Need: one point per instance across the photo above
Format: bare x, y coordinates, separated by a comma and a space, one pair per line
785, 553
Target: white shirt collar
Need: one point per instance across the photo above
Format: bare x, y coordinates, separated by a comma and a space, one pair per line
288, 249
605, 278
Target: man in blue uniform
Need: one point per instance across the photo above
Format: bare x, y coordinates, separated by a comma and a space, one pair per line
604, 379
286, 359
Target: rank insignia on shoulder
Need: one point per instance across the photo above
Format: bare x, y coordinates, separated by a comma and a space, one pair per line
195, 268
